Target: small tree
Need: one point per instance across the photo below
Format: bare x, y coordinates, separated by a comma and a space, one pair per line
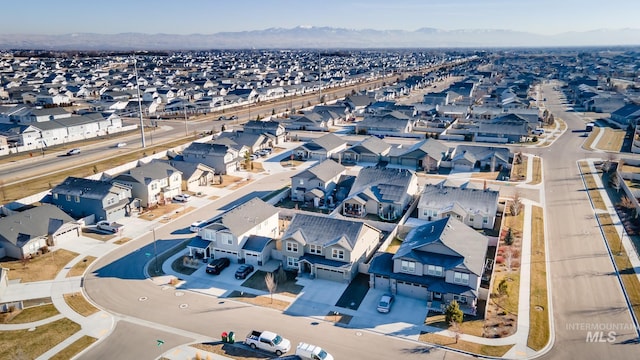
453, 313
516, 204
508, 238
455, 328
272, 285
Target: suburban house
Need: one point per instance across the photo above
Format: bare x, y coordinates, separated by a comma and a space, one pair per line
239, 139
626, 115
327, 248
424, 155
273, 129
324, 147
80, 197
474, 207
317, 183
509, 128
393, 123
153, 183
439, 262
384, 192
470, 157
224, 159
23, 234
370, 150
194, 175
311, 121
244, 234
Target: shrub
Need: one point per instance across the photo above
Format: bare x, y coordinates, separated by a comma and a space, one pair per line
500, 259
453, 313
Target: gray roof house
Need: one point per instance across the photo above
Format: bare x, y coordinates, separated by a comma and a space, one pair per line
153, 183
474, 207
384, 192
272, 129
626, 115
324, 147
509, 128
438, 262
24, 233
393, 123
327, 248
194, 175
229, 234
470, 157
425, 155
370, 150
317, 182
80, 197
224, 158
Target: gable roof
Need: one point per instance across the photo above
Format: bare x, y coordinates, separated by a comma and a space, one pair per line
472, 200
371, 145
384, 184
87, 188
323, 171
467, 247
39, 221
324, 231
244, 217
326, 142
146, 173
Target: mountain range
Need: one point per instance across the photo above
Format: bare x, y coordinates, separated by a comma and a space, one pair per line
302, 37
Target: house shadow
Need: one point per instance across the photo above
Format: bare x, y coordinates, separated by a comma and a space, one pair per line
244, 199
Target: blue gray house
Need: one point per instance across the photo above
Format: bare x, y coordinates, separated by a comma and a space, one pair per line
81, 197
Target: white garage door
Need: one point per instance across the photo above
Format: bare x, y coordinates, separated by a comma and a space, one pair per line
412, 290
381, 282
462, 167
329, 274
231, 255
251, 258
71, 233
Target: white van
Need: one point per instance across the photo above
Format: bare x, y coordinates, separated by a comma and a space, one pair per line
311, 352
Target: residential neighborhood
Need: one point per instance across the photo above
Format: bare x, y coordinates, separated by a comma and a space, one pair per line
430, 188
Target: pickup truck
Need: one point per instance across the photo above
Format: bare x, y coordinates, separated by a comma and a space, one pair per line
109, 226
269, 341
311, 352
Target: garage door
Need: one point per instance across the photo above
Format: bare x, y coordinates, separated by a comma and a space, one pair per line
381, 282
71, 233
231, 255
329, 274
251, 258
412, 290
462, 167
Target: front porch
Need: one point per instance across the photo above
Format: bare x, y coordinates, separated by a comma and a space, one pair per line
439, 306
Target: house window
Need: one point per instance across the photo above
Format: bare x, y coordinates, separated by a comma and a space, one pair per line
55, 196
292, 246
471, 218
460, 299
461, 278
408, 266
77, 198
485, 220
434, 270
68, 197
437, 296
301, 182
292, 262
226, 238
315, 249
337, 254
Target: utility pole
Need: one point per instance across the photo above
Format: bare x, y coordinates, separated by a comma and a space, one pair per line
186, 128
135, 67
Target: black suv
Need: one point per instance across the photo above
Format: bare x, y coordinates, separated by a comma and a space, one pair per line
243, 271
217, 265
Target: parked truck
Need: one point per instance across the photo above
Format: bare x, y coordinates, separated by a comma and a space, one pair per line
269, 341
113, 227
311, 352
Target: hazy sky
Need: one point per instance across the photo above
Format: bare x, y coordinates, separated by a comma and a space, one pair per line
212, 16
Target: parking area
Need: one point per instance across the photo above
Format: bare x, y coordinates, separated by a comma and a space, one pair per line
406, 312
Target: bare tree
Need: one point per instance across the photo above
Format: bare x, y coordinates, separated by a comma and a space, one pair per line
626, 203
516, 204
272, 285
614, 180
508, 258
454, 327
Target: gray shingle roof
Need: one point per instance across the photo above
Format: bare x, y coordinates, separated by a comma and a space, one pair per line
327, 142
146, 173
242, 218
382, 183
324, 171
86, 188
32, 223
472, 200
325, 231
469, 247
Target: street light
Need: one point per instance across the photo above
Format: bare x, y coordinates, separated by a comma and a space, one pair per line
155, 249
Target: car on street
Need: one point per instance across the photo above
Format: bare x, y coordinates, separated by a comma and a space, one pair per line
234, 117
385, 302
217, 265
243, 271
182, 198
74, 151
222, 118
121, 144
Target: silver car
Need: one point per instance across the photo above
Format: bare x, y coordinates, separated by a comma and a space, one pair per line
384, 304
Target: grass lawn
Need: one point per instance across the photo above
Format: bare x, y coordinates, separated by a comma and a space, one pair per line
519, 171
79, 304
30, 314
611, 140
122, 240
178, 266
25, 344
624, 266
538, 298
537, 171
288, 288
393, 246
43, 267
487, 350
514, 222
260, 300
472, 326
75, 348
509, 301
79, 268
588, 144
151, 268
594, 192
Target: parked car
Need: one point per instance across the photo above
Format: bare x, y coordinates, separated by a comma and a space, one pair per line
385, 302
222, 118
269, 341
311, 352
243, 271
217, 265
182, 197
109, 226
234, 117
74, 151
121, 144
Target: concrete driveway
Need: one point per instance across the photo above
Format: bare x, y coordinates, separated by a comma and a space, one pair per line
316, 298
